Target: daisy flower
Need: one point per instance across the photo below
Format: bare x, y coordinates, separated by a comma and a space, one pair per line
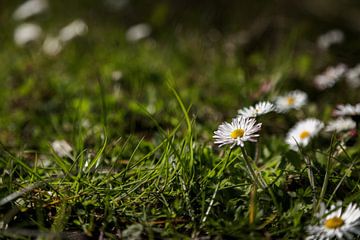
116, 75
336, 223
30, 8
331, 76
138, 32
26, 33
237, 132
353, 77
293, 100
74, 29
62, 148
52, 46
340, 124
260, 108
347, 110
332, 37
302, 132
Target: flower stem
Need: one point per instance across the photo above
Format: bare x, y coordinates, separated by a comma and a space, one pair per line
327, 173
251, 169
257, 150
311, 179
259, 181
325, 183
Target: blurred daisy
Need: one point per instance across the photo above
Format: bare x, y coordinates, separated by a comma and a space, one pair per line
347, 110
116, 75
332, 37
302, 132
293, 100
116, 5
26, 33
340, 124
42, 161
260, 108
138, 32
74, 29
52, 46
336, 223
353, 77
30, 8
237, 132
331, 75
62, 148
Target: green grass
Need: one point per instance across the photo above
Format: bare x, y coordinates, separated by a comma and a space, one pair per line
144, 164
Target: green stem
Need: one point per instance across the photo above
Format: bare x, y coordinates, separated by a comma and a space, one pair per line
257, 150
325, 183
311, 178
252, 207
251, 169
327, 173
259, 181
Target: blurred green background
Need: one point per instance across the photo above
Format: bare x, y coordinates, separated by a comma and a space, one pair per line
216, 54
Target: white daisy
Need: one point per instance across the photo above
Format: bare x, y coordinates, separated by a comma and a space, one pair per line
260, 108
335, 223
115, 5
26, 33
30, 8
237, 132
302, 132
347, 110
293, 100
62, 148
74, 29
116, 75
330, 76
340, 124
138, 32
353, 77
52, 46
330, 38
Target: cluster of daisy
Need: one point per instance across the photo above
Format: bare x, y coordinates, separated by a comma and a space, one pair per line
353, 76
330, 76
346, 122
331, 223
347, 110
335, 223
244, 127
333, 74
332, 37
29, 32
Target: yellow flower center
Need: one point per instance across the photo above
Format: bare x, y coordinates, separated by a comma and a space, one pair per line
237, 133
304, 134
334, 222
290, 100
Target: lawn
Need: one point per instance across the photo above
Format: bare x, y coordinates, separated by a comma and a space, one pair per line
141, 120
